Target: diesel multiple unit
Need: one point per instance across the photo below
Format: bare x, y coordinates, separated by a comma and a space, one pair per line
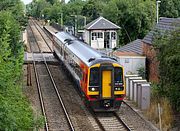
99, 77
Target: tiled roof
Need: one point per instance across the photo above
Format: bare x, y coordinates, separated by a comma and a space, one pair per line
164, 25
135, 47
101, 23
118, 53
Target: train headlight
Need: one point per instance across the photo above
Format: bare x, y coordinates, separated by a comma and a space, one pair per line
119, 88
93, 88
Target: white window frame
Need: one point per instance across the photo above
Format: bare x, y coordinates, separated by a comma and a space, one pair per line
93, 36
113, 35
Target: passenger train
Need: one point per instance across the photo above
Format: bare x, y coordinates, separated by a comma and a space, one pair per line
99, 77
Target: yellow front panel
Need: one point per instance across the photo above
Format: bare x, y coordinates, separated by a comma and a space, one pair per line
106, 84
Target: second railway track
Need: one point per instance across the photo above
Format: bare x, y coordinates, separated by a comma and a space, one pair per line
44, 35
53, 108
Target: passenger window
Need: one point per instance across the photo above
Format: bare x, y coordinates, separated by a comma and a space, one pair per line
118, 75
94, 77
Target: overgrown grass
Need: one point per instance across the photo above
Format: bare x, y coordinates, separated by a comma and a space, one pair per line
165, 107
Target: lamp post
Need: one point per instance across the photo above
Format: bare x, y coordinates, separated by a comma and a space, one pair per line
157, 10
84, 20
76, 22
61, 19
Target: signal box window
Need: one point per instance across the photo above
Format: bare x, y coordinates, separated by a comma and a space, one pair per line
99, 35
94, 36
113, 35
94, 77
118, 76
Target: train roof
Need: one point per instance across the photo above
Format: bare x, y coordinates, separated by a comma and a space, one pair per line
62, 36
83, 51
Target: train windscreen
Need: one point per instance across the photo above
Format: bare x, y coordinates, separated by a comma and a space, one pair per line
118, 76
94, 77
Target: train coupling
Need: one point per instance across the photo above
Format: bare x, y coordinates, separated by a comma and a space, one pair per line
107, 103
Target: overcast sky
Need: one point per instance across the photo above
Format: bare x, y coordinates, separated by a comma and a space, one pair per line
28, 1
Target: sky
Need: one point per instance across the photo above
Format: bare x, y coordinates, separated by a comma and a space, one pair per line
28, 1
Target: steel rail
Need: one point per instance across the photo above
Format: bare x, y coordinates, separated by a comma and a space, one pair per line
98, 121
121, 121
34, 38
117, 117
58, 94
44, 31
39, 87
42, 35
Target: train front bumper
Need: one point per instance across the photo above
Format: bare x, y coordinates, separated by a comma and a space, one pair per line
105, 105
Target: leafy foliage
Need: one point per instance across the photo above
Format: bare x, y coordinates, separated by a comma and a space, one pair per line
135, 18
17, 9
168, 47
90, 10
141, 72
36, 8
15, 112
169, 8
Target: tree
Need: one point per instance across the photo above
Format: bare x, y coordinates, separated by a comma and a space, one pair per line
71, 10
90, 10
52, 1
169, 8
55, 12
15, 113
36, 8
17, 9
168, 54
135, 18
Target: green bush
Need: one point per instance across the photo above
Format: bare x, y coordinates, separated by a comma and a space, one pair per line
168, 54
141, 72
15, 112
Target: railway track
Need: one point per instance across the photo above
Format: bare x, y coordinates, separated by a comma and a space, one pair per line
52, 104
38, 40
110, 122
43, 30
44, 35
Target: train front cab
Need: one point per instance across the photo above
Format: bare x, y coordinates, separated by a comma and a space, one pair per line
106, 88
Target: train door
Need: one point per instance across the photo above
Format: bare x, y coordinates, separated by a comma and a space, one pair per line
106, 83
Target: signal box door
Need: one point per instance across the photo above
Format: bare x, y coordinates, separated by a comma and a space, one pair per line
106, 84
